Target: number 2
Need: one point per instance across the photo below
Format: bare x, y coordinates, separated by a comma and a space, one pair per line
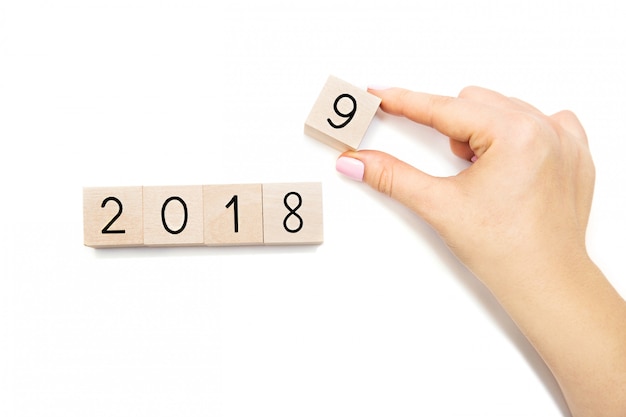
105, 229
348, 116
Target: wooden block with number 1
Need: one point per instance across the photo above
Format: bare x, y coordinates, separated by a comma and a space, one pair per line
233, 214
341, 115
292, 213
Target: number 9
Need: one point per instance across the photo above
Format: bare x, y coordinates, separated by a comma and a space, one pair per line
348, 115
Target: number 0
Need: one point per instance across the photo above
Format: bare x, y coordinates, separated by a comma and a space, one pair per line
182, 227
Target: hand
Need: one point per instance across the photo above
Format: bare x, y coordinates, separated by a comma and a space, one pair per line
517, 218
519, 200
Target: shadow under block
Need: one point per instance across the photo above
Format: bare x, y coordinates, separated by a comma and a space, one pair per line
341, 115
233, 214
292, 213
113, 216
173, 216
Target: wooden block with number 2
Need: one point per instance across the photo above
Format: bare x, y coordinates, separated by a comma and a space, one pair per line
113, 216
341, 115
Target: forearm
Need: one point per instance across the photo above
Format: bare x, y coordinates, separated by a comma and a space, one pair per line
517, 218
577, 322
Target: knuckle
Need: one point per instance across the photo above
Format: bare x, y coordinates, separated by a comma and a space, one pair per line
436, 106
524, 133
403, 101
527, 128
384, 181
567, 114
568, 121
469, 91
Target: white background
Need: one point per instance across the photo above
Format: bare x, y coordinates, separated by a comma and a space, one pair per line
380, 320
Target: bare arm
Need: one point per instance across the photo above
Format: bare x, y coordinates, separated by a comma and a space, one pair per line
517, 218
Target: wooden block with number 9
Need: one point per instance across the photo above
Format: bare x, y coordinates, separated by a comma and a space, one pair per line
292, 213
113, 216
341, 115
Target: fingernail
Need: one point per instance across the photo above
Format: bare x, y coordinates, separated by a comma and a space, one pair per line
377, 87
474, 158
350, 167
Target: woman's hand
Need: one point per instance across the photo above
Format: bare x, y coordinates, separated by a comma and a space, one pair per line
517, 218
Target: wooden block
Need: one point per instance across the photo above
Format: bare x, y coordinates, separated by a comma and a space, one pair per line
341, 115
233, 214
292, 213
173, 216
113, 216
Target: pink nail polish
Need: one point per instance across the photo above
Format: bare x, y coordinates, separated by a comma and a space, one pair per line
350, 167
474, 158
377, 87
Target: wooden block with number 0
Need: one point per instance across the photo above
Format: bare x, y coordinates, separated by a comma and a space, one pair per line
173, 216
341, 115
292, 213
113, 216
233, 214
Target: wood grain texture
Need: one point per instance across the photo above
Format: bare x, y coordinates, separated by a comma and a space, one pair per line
292, 213
195, 215
323, 115
173, 216
233, 214
112, 216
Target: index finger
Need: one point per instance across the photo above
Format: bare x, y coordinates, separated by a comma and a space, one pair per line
457, 118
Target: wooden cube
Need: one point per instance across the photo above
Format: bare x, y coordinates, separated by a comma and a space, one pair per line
292, 213
233, 214
173, 216
113, 216
341, 115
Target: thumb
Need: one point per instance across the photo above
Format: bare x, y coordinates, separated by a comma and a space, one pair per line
417, 190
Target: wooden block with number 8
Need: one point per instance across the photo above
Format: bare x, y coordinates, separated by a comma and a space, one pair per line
341, 115
233, 214
292, 213
113, 216
173, 216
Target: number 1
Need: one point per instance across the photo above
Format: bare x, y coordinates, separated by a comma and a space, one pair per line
233, 202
